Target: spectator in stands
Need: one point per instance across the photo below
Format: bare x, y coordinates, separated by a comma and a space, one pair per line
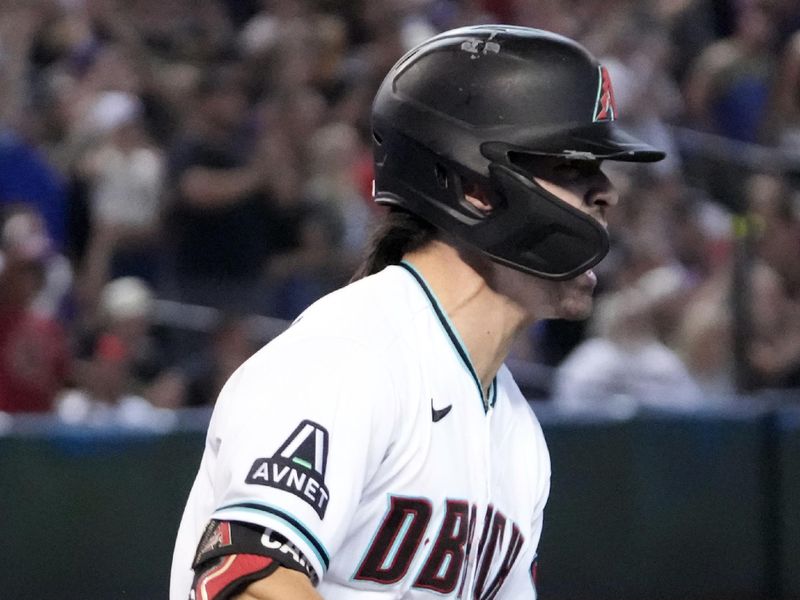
692, 26
125, 314
34, 356
262, 110
26, 177
332, 184
774, 351
728, 89
775, 208
25, 228
785, 117
231, 343
103, 396
625, 365
304, 236
773, 345
124, 174
705, 338
331, 221
217, 210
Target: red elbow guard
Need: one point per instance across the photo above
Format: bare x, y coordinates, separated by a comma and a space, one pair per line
230, 575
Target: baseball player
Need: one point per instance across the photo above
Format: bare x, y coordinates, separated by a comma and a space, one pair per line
379, 448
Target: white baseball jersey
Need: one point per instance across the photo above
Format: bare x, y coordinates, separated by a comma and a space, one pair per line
363, 436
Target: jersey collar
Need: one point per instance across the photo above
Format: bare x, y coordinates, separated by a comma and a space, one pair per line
490, 398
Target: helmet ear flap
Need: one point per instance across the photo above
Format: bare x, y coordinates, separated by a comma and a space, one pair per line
411, 175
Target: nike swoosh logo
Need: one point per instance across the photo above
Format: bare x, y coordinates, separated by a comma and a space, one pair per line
437, 414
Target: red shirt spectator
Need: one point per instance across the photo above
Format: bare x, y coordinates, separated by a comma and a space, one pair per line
33, 361
33, 348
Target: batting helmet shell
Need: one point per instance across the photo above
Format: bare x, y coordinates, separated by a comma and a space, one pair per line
473, 105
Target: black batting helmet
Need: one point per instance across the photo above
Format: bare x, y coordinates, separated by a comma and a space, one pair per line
469, 105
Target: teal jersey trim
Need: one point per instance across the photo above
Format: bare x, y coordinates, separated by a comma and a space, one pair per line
452, 334
295, 524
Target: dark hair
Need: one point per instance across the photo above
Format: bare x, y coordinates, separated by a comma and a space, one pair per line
400, 232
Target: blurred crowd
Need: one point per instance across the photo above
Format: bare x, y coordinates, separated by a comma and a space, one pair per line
217, 153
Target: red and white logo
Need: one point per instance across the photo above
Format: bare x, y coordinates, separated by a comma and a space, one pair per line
217, 535
605, 107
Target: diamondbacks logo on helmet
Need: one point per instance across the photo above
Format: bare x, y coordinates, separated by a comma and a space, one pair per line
605, 107
298, 466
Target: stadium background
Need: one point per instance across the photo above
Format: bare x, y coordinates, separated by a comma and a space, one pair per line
178, 179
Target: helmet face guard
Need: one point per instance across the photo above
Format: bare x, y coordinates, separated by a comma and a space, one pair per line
529, 228
458, 108
539, 233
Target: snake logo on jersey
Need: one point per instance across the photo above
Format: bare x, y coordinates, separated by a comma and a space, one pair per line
298, 466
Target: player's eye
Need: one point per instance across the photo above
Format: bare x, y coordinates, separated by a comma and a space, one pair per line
567, 171
574, 170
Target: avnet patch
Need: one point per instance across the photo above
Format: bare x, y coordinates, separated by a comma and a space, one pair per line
298, 466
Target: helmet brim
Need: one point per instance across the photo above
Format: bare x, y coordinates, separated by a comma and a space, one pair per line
608, 141
598, 141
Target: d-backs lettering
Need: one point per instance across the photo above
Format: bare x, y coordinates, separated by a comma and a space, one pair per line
399, 536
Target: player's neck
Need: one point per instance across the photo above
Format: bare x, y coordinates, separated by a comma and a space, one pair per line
486, 321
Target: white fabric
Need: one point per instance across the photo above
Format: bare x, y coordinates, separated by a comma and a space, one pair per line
77, 407
111, 110
127, 190
601, 372
367, 363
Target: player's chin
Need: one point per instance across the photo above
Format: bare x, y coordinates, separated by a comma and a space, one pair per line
576, 297
575, 308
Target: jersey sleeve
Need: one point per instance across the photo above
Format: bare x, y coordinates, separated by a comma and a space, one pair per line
300, 429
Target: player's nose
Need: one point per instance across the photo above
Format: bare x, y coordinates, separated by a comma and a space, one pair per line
602, 193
